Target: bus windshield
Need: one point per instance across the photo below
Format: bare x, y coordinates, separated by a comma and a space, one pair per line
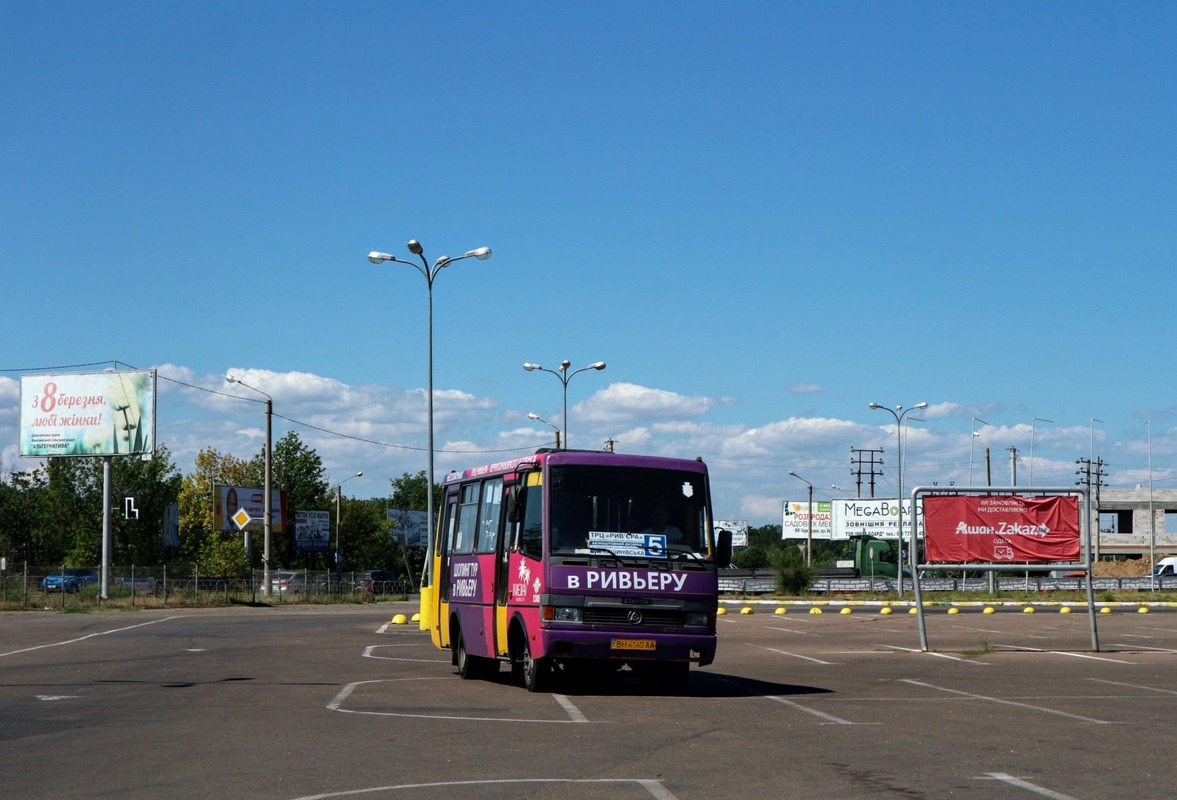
628, 512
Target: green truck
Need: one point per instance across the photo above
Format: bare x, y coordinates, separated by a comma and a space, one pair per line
872, 558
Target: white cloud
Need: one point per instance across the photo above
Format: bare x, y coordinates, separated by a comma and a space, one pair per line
621, 403
803, 388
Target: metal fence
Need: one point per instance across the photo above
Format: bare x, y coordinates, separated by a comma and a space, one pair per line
49, 587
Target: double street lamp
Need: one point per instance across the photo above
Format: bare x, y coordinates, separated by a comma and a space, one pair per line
339, 527
268, 479
899, 413
430, 274
564, 376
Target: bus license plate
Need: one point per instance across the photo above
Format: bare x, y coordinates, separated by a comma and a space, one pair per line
632, 644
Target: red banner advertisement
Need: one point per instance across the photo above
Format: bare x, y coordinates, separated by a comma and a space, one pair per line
995, 528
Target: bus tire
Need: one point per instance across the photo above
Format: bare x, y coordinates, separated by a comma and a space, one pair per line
471, 667
537, 672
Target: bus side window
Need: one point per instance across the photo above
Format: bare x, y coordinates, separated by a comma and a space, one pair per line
531, 540
467, 517
488, 517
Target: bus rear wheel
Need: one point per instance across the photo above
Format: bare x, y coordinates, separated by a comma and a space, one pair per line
472, 667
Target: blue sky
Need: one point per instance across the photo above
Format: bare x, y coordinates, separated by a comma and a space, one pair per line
762, 216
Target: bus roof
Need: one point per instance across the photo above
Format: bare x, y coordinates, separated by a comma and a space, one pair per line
579, 457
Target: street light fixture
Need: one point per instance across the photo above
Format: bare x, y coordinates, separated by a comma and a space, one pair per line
430, 274
338, 526
266, 523
538, 418
899, 413
564, 376
809, 535
972, 442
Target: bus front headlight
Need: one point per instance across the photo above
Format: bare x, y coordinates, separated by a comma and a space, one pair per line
562, 613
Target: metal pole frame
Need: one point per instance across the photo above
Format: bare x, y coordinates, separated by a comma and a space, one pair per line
917, 495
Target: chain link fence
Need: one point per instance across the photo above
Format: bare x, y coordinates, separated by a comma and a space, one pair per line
73, 587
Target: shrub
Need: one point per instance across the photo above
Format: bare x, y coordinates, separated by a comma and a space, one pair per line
793, 575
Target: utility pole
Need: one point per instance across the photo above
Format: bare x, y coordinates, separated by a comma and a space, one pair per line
1013, 466
1091, 473
857, 456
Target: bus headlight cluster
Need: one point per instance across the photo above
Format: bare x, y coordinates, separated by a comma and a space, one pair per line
562, 613
698, 619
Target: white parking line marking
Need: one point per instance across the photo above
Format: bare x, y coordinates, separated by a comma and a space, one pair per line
87, 636
1021, 784
1134, 686
819, 714
930, 653
368, 653
790, 630
1061, 653
1007, 702
1150, 649
806, 658
654, 787
798, 706
572, 710
337, 702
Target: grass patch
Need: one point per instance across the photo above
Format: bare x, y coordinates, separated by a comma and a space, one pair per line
984, 651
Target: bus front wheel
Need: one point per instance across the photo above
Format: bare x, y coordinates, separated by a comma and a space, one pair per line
536, 671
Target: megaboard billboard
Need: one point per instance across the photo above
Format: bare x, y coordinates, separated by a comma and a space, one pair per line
844, 518
87, 414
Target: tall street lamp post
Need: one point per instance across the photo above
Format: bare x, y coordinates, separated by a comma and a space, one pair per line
564, 376
266, 523
538, 418
809, 533
899, 413
338, 526
430, 274
1033, 427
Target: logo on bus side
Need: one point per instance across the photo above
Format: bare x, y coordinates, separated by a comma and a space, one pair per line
464, 581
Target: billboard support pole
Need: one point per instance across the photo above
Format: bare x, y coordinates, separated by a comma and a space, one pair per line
107, 511
1085, 552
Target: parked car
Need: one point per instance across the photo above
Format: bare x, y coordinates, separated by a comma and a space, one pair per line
140, 583
315, 583
280, 581
377, 581
71, 579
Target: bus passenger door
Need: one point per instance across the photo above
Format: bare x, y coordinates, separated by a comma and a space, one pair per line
507, 542
439, 632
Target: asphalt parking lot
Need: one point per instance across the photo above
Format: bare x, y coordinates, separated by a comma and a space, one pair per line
303, 702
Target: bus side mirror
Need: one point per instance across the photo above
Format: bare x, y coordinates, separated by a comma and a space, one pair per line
723, 548
513, 505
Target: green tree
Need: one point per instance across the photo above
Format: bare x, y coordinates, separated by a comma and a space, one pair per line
411, 492
367, 536
213, 551
154, 483
297, 470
